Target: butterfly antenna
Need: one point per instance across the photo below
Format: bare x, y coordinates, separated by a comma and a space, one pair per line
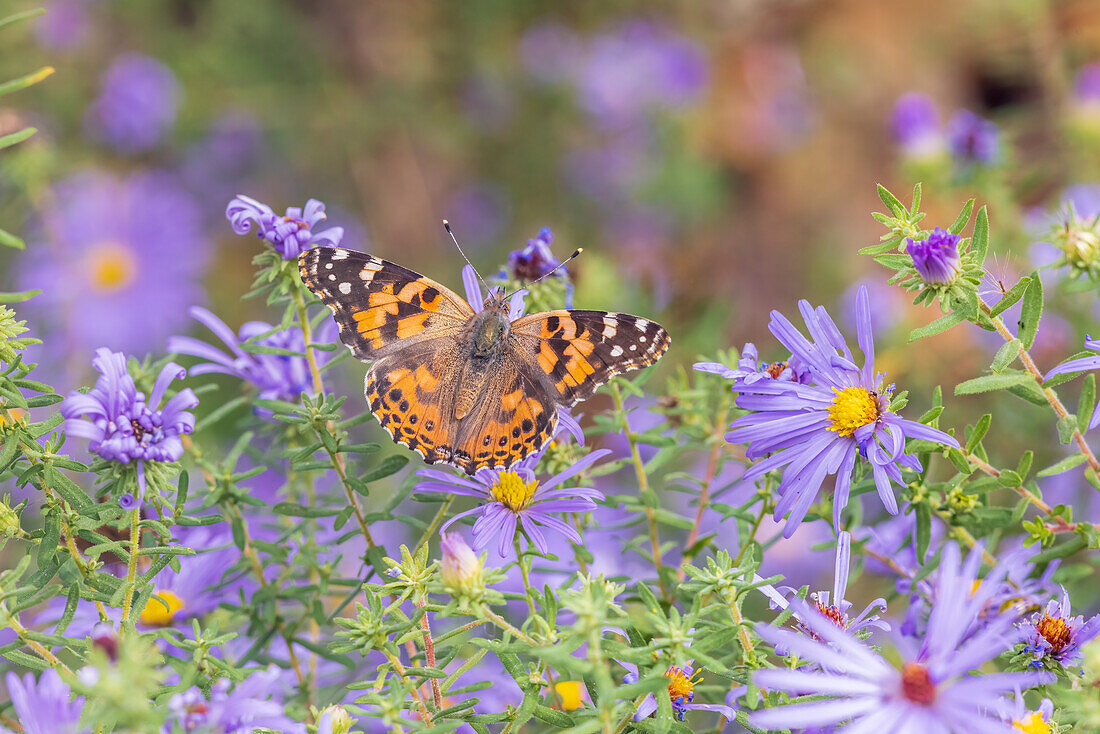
558, 267
447, 226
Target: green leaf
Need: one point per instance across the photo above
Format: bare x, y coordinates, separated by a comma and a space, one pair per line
1031, 311
1067, 425
1061, 551
924, 528
939, 325
1062, 466
386, 467
892, 202
961, 220
6, 141
1009, 478
51, 537
295, 510
1010, 297
21, 16
979, 241
1025, 463
9, 240
1086, 403
976, 435
989, 383
19, 296
560, 719
25, 81
1006, 355
1030, 392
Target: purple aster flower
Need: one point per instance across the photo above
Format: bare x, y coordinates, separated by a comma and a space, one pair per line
250, 705
289, 234
933, 690
681, 693
276, 376
936, 257
45, 706
128, 251
136, 106
197, 587
1027, 720
837, 610
1082, 364
972, 139
1086, 86
535, 260
822, 428
516, 498
750, 369
1054, 634
121, 425
65, 24
915, 125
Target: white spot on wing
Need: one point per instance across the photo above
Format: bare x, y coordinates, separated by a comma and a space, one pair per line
616, 351
332, 276
340, 255
641, 324
345, 288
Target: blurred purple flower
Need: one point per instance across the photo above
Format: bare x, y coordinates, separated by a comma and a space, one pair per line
972, 139
550, 51
45, 706
65, 24
136, 106
120, 425
127, 252
933, 690
936, 257
516, 498
290, 234
915, 125
1086, 86
251, 704
276, 376
639, 67
220, 163
479, 212
1056, 635
822, 428
197, 587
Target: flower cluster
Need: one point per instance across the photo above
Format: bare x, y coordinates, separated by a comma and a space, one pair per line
289, 234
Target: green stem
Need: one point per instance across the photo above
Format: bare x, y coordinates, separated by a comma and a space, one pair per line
131, 571
409, 687
525, 573
643, 485
505, 625
433, 526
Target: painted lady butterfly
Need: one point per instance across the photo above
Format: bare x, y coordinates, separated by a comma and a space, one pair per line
466, 386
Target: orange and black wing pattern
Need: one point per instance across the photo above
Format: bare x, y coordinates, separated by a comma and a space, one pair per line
580, 350
380, 306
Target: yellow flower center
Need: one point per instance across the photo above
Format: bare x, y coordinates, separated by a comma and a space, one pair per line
112, 267
161, 609
571, 693
679, 684
852, 408
1033, 723
1056, 632
12, 417
514, 493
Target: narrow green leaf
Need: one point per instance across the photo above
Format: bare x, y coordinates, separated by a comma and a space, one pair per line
1031, 311
915, 206
295, 510
7, 239
979, 241
1061, 551
1025, 463
1005, 356
939, 325
1086, 403
21, 16
892, 203
1062, 466
988, 383
25, 81
924, 528
6, 141
976, 435
1009, 478
386, 467
1010, 297
1067, 425
1030, 392
19, 296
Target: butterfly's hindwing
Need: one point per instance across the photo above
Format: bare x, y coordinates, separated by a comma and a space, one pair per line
580, 350
378, 305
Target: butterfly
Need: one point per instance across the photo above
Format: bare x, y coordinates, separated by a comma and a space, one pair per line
468, 386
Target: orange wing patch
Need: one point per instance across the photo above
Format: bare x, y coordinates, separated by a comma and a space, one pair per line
407, 402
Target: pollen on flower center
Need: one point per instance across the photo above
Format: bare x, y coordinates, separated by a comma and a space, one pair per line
161, 609
1033, 723
1055, 631
851, 409
112, 267
833, 614
917, 685
514, 493
681, 687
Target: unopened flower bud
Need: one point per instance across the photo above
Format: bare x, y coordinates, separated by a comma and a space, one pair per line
105, 637
936, 258
334, 720
461, 566
9, 521
1080, 243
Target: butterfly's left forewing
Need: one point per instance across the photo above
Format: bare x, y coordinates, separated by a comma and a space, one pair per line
576, 351
381, 307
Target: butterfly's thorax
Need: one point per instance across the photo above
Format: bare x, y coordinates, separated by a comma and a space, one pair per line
485, 345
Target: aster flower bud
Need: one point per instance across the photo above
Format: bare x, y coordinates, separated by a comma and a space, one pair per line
9, 520
334, 720
936, 258
460, 567
1079, 241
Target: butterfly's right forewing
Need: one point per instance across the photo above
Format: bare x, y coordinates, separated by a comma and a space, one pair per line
381, 307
